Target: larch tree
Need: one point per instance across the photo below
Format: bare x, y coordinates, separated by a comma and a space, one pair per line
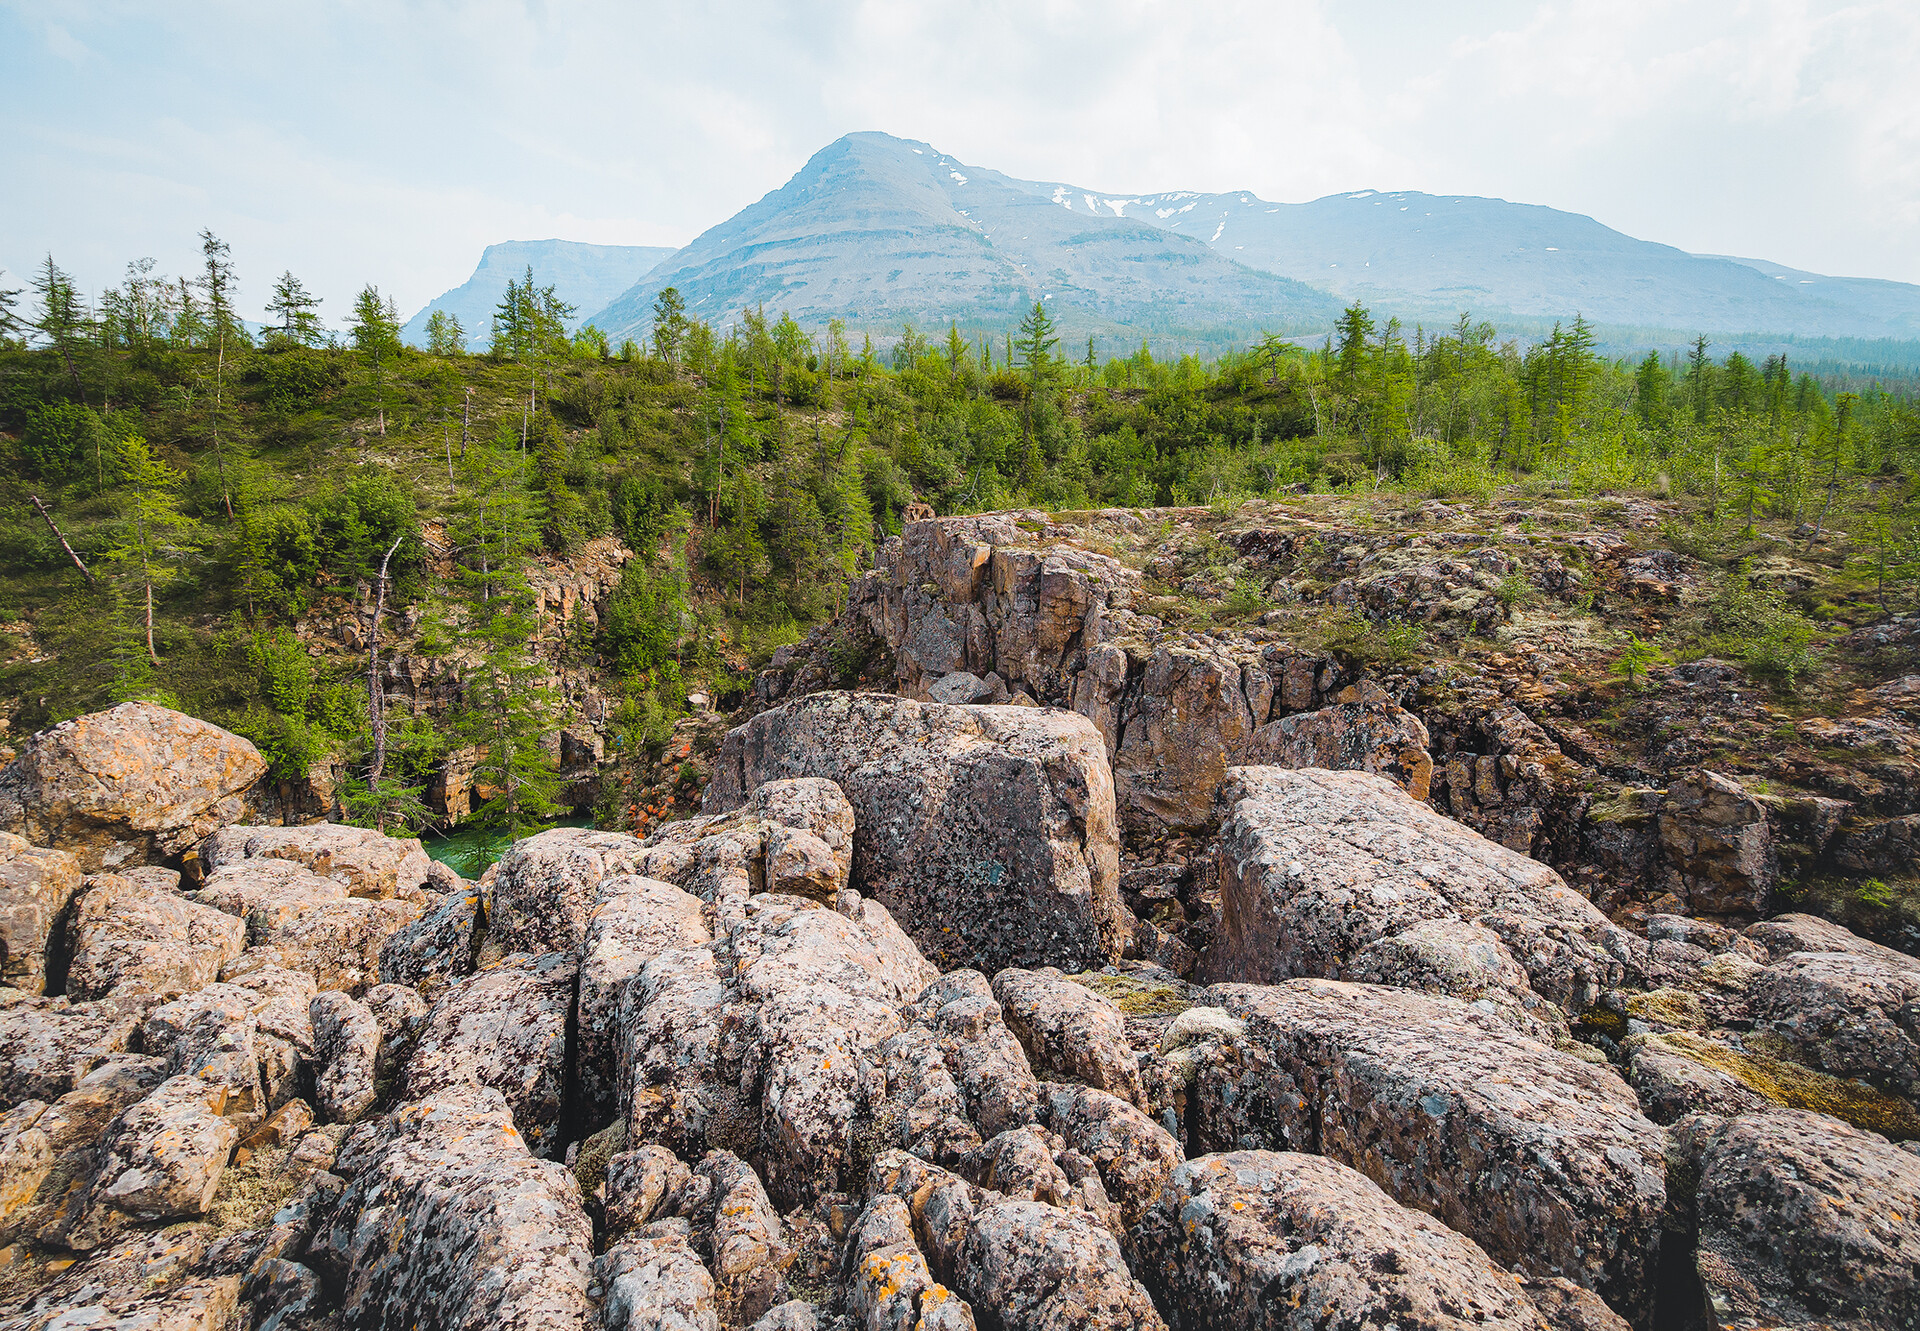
445, 336
376, 335
296, 312
223, 326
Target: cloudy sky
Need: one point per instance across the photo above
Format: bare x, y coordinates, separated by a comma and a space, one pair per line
389, 142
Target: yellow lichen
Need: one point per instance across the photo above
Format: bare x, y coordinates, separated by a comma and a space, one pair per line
1136, 998
590, 1166
1794, 1086
1668, 1007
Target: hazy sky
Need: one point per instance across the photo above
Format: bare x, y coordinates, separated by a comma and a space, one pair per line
389, 142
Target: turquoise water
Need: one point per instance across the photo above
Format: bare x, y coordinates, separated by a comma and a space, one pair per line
467, 852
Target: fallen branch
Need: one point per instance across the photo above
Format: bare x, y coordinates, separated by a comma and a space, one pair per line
55, 529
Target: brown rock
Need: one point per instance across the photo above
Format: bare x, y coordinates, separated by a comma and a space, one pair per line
1364, 731
1717, 837
35, 887
129, 939
133, 783
1069, 1031
301, 921
368, 863
545, 887
988, 832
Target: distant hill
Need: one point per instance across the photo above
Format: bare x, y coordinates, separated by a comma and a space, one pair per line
585, 276
879, 230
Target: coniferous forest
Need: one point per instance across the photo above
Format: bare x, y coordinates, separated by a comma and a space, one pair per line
183, 492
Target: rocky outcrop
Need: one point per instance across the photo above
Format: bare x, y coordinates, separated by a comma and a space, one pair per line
367, 863
1322, 871
1364, 731
1804, 1221
449, 1222
134, 783
126, 938
1068, 1030
987, 831
1274, 1239
544, 888
1538, 1156
1720, 842
36, 886
302, 921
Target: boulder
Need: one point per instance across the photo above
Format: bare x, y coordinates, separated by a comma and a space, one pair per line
1459, 959
141, 1282
1021, 1265
1784, 935
50, 1153
1805, 1220
303, 922
1132, 1153
1847, 1013
368, 863
129, 939
544, 888
638, 1183
654, 1279
1540, 1157
988, 1065
346, 1039
1267, 1240
636, 920
1069, 1031
1317, 867
36, 887
1189, 718
136, 782
438, 947
889, 1284
505, 1029
449, 1223
735, 1223
988, 831
163, 1157
1718, 840
1364, 731
48, 1044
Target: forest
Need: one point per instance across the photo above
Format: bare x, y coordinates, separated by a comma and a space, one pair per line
183, 491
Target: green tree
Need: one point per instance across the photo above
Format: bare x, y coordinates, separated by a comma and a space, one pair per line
218, 285
1038, 338
376, 336
669, 325
11, 326
508, 710
445, 336
296, 312
151, 534
63, 317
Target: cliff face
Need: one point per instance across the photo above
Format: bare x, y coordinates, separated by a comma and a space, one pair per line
1461, 652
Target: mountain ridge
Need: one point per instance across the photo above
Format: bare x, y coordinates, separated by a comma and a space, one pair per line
585, 276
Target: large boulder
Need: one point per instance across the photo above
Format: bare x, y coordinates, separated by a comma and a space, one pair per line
1069, 1030
987, 831
303, 922
127, 938
1806, 1220
449, 1223
1278, 1241
36, 886
1718, 839
506, 1029
366, 862
1540, 1157
1317, 868
164, 1156
1188, 719
545, 887
136, 782
1364, 731
48, 1044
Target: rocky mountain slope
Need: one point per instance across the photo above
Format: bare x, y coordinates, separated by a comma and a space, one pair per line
1113, 969
877, 230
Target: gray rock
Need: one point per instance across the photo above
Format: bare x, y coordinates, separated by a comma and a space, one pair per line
1671, 1085
639, 1182
1272, 1240
985, 1057
136, 782
1069, 1031
635, 920
743, 1235
368, 863
1364, 731
1540, 1157
129, 939
988, 832
301, 921
163, 1157
449, 1223
889, 1284
504, 1028
1806, 1220
545, 887
36, 886
346, 1038
654, 1281
1718, 839
46, 1045
1317, 866
1133, 1154
437, 948
959, 689
1846, 1013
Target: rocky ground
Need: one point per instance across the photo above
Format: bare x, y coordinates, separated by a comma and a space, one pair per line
1118, 969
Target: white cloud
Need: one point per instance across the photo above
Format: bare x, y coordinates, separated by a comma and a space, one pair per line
389, 142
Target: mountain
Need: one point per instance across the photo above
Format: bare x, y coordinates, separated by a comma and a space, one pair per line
585, 276
1437, 255
879, 230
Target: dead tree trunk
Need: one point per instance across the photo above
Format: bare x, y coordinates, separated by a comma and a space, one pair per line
55, 529
376, 696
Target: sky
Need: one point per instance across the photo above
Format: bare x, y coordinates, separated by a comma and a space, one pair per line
390, 142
